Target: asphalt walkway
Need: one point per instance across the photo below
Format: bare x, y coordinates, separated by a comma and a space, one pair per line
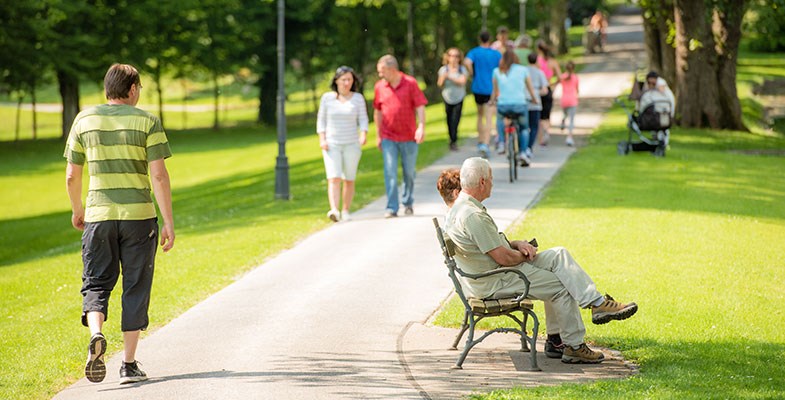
344, 314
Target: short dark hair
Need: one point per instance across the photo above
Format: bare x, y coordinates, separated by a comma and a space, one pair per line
339, 73
119, 79
485, 37
532, 57
652, 74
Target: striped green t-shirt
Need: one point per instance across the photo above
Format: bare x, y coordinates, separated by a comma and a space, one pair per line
117, 141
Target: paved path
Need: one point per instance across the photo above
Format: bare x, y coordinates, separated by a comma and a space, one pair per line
342, 315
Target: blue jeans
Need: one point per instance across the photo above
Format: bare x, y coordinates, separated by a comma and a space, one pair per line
534, 126
523, 122
408, 153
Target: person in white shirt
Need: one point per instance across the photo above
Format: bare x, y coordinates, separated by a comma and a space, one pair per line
342, 114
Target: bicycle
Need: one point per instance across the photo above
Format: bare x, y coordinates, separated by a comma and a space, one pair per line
511, 142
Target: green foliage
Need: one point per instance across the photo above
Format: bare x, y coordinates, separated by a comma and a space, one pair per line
766, 25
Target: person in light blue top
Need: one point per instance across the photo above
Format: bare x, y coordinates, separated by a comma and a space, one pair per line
512, 91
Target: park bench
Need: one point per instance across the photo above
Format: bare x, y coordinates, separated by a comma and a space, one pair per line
478, 309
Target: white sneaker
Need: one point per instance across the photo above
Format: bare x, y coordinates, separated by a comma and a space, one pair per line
529, 154
346, 216
334, 215
569, 141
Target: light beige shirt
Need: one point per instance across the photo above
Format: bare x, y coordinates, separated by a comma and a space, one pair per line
474, 234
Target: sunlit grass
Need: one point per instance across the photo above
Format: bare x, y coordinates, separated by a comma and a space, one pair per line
695, 239
227, 222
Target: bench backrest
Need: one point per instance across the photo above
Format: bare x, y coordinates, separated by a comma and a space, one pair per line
448, 250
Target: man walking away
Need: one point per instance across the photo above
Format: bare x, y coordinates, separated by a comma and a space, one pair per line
120, 144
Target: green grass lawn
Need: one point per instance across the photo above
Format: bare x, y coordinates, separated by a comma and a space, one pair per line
226, 223
696, 239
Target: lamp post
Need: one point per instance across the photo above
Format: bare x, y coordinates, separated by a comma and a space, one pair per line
281, 162
485, 4
522, 17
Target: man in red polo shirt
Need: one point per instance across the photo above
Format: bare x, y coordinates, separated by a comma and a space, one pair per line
397, 101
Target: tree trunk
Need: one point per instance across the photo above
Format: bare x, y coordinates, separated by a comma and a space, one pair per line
662, 57
35, 113
727, 27
651, 40
69, 93
18, 117
216, 94
558, 35
268, 86
160, 92
667, 52
706, 78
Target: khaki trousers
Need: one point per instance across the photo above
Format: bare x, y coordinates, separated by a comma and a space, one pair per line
564, 287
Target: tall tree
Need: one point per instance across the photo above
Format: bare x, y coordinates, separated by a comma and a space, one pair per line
707, 40
659, 36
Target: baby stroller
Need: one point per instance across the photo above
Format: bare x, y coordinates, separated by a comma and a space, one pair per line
655, 119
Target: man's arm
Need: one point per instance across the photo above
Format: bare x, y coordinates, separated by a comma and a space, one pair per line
469, 64
521, 251
73, 184
419, 134
377, 120
163, 196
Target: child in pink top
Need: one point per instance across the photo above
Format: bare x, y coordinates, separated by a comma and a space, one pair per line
569, 99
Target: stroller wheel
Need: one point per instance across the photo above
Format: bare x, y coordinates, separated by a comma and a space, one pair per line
623, 148
660, 150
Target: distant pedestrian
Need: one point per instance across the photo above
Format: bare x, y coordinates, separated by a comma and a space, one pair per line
540, 85
550, 67
342, 114
120, 144
480, 61
569, 100
523, 47
452, 80
502, 42
399, 114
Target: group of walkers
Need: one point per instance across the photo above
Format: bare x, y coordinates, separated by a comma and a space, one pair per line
505, 76
125, 149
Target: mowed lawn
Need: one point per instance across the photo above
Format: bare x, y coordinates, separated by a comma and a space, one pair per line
697, 239
226, 220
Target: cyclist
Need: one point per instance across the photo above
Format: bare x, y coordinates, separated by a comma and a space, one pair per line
512, 91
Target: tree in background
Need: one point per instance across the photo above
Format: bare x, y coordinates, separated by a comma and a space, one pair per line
694, 44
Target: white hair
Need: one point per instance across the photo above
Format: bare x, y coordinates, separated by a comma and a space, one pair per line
389, 61
472, 170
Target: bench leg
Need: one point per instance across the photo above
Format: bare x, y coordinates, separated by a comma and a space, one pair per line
468, 346
524, 340
464, 327
532, 338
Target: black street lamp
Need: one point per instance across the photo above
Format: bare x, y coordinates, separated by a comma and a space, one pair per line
281, 162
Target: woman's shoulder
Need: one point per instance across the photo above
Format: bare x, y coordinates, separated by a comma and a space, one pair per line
329, 95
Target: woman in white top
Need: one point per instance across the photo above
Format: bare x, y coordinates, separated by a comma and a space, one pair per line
342, 114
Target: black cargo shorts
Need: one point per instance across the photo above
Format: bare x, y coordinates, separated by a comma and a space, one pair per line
108, 245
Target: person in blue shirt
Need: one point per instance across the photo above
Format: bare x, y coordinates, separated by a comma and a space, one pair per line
480, 61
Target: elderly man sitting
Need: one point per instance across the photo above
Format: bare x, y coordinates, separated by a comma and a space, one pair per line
555, 277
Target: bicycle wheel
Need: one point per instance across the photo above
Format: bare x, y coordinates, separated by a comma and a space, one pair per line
511, 137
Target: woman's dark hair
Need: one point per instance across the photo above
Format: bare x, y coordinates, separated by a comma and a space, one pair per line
341, 71
508, 59
544, 48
